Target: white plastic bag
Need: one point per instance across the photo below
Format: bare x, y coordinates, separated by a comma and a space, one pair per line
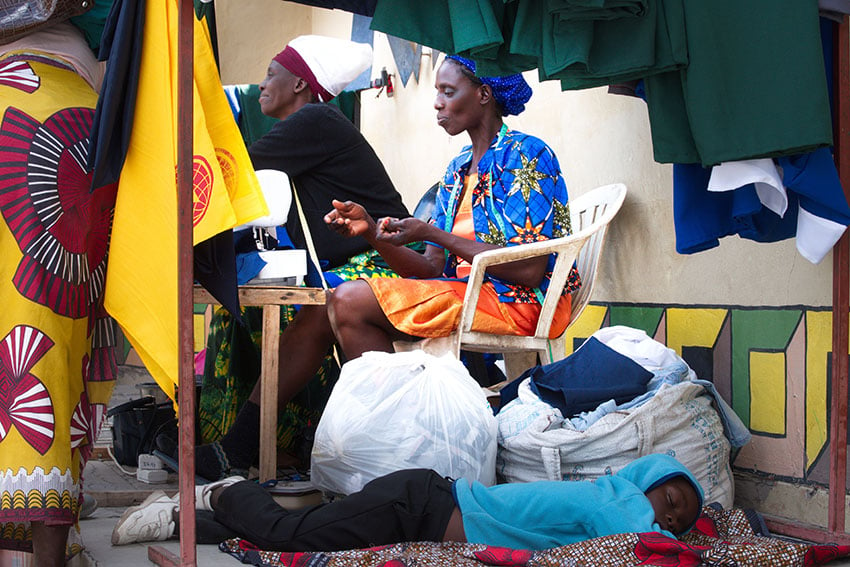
393, 411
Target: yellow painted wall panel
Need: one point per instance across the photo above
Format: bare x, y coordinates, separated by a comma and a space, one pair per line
818, 345
693, 327
767, 392
589, 322
199, 331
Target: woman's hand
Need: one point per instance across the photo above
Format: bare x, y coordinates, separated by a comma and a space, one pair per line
388, 237
351, 219
399, 232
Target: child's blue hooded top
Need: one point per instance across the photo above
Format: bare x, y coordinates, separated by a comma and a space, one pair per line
546, 514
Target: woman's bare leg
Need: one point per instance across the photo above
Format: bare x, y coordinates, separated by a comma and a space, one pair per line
358, 321
303, 345
49, 543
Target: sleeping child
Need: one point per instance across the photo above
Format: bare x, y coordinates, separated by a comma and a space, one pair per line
654, 493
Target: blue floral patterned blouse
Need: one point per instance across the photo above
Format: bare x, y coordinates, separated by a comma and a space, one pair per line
520, 198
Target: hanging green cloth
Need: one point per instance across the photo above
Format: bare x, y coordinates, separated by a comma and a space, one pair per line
598, 42
725, 80
92, 22
625, 49
451, 26
501, 60
206, 10
755, 85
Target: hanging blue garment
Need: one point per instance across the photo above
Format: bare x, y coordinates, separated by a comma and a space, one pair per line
814, 178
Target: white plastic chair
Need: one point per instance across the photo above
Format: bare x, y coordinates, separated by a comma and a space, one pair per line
590, 214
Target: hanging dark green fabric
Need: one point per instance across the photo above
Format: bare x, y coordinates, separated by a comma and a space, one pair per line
92, 22
501, 60
559, 32
755, 85
451, 26
627, 48
206, 10
584, 43
346, 101
597, 10
725, 80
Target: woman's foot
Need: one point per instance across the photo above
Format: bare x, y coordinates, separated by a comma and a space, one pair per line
233, 454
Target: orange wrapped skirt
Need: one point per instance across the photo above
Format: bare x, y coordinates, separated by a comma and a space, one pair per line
431, 308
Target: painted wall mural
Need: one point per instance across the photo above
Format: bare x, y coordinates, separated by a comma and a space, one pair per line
772, 364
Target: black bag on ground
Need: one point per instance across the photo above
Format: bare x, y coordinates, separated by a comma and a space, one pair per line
135, 425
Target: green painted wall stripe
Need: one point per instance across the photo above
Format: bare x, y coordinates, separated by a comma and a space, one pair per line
645, 318
765, 329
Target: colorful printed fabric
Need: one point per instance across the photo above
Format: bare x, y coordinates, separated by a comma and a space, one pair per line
142, 294
432, 308
57, 359
520, 198
720, 538
232, 367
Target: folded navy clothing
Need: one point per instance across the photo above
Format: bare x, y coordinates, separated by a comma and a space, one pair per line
593, 374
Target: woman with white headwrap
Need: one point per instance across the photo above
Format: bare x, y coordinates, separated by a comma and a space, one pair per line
327, 158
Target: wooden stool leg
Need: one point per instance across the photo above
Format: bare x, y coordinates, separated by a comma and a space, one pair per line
268, 393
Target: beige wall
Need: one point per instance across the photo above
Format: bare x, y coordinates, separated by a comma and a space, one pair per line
599, 138
251, 33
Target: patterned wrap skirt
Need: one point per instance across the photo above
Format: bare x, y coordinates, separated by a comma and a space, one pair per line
57, 345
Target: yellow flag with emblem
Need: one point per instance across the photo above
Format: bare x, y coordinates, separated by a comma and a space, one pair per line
141, 282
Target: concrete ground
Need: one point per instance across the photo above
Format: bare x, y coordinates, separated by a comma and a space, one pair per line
99, 552
115, 490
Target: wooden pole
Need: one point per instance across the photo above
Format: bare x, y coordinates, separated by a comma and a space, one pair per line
185, 335
840, 296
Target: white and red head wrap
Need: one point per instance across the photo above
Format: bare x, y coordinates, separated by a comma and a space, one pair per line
327, 64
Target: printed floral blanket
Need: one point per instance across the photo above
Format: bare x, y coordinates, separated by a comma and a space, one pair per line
720, 538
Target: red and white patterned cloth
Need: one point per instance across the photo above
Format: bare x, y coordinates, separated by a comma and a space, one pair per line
720, 538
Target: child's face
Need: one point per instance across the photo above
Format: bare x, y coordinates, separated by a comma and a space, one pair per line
676, 504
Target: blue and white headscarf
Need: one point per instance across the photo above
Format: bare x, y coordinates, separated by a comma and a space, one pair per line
511, 92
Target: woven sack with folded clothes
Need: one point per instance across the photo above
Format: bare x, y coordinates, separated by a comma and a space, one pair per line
647, 401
